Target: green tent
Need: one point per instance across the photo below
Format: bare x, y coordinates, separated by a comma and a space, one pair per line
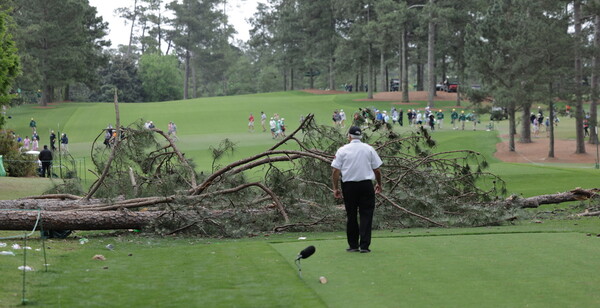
2, 171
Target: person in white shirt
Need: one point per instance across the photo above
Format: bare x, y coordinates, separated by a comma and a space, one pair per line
358, 165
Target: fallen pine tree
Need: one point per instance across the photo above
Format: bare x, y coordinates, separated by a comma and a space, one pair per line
145, 181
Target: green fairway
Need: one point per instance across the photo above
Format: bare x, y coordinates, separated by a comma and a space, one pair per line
532, 265
203, 123
507, 270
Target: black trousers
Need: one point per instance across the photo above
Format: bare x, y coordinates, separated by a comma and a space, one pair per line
46, 169
359, 198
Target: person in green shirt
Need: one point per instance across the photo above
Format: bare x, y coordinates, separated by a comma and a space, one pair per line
440, 118
462, 118
454, 118
33, 125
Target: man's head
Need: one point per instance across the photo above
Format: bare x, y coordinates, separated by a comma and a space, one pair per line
45, 147
355, 132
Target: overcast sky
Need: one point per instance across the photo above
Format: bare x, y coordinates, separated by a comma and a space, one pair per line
238, 10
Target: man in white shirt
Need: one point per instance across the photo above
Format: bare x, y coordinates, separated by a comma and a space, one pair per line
358, 164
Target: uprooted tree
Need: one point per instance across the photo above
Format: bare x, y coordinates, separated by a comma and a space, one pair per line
145, 181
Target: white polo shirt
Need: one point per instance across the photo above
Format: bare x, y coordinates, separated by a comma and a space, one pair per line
356, 160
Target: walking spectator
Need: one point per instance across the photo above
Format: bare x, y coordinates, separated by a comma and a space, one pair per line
251, 123
26, 143
440, 118
33, 125
263, 120
64, 143
45, 157
342, 118
431, 121
454, 119
273, 126
462, 118
282, 127
172, 132
400, 115
34, 144
52, 141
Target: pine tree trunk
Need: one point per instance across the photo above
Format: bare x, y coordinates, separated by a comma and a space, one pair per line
512, 129
526, 126
80, 220
431, 60
580, 148
370, 72
594, 97
186, 79
382, 86
551, 129
404, 55
332, 73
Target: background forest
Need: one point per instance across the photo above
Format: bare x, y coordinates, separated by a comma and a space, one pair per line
516, 53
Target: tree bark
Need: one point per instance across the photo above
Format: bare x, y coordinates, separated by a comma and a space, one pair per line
431, 58
577, 194
580, 148
60, 220
526, 124
404, 56
594, 86
512, 126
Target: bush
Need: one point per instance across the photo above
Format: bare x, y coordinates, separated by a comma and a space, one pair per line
16, 163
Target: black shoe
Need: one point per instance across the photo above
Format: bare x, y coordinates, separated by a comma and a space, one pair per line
352, 250
365, 250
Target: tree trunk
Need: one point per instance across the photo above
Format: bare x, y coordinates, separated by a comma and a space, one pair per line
285, 79
84, 220
132, 27
382, 84
370, 72
431, 59
292, 79
46, 95
420, 74
526, 124
404, 55
186, 79
332, 73
551, 129
594, 97
580, 148
512, 126
194, 82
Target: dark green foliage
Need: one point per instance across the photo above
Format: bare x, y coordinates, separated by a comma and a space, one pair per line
16, 163
120, 72
160, 77
9, 60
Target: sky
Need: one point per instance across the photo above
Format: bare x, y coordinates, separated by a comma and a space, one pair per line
237, 10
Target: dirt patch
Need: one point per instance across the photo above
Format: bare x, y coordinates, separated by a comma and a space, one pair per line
537, 152
324, 92
412, 96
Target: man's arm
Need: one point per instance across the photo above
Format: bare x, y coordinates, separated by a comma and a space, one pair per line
378, 186
335, 179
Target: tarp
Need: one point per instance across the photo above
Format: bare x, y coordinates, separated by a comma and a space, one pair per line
2, 171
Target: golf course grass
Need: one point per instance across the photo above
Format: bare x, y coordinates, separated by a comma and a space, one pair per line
527, 265
532, 263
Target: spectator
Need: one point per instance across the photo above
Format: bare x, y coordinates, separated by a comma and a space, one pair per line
45, 157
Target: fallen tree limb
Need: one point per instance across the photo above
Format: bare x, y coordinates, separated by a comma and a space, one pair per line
577, 194
52, 220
